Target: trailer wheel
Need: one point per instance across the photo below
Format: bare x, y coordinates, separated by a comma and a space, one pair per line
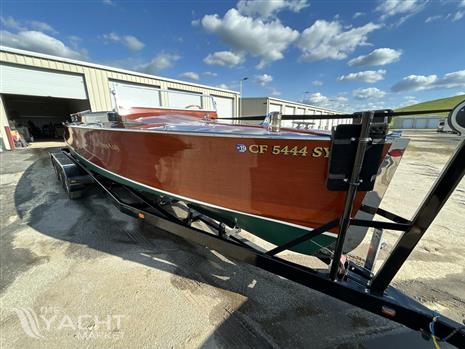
54, 165
73, 195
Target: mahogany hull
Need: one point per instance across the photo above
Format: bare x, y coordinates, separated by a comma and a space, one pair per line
240, 179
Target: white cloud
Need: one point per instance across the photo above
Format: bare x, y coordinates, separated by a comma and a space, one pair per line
11, 23
370, 76
458, 16
112, 37
266, 40
275, 92
133, 43
42, 26
223, 86
358, 14
195, 22
40, 42
404, 8
409, 100
336, 103
460, 93
370, 106
263, 79
224, 58
429, 82
267, 9
380, 56
367, 93
129, 41
415, 82
108, 2
454, 17
317, 83
74, 40
159, 62
316, 99
25, 25
190, 75
209, 73
433, 18
329, 40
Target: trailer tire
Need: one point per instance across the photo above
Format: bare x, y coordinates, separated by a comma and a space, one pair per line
73, 195
55, 169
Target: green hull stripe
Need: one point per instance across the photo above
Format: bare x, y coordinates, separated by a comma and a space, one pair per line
271, 231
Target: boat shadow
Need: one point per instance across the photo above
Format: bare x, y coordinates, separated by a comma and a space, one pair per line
256, 308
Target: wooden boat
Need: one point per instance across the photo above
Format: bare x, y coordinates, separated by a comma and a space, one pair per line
269, 182
345, 280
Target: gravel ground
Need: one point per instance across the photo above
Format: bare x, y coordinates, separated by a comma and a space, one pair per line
82, 274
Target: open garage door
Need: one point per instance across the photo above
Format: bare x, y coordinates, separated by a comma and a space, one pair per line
40, 118
224, 106
30, 81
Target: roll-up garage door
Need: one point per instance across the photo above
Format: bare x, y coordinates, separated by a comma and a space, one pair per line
289, 110
20, 80
224, 106
407, 123
133, 95
433, 123
421, 123
275, 107
179, 99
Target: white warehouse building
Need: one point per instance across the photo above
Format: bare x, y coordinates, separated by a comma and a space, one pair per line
255, 106
38, 91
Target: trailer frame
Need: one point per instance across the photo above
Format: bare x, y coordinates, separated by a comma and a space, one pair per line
345, 280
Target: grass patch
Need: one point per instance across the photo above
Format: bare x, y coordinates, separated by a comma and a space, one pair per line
443, 103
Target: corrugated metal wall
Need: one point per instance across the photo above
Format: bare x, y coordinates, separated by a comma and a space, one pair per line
252, 105
265, 105
97, 79
408, 122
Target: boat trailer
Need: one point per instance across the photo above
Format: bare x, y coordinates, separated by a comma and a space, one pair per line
345, 280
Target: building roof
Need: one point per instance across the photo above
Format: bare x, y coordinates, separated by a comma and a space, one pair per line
106, 67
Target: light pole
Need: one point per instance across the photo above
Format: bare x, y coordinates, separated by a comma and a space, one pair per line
240, 92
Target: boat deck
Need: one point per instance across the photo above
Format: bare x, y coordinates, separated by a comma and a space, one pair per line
190, 124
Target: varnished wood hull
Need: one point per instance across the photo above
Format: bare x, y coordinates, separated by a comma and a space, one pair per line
274, 196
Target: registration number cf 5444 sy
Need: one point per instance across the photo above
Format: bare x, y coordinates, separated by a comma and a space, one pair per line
315, 152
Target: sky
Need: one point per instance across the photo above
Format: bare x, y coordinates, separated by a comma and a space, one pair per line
341, 54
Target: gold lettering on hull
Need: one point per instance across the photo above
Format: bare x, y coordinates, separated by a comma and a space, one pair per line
316, 152
320, 151
258, 149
